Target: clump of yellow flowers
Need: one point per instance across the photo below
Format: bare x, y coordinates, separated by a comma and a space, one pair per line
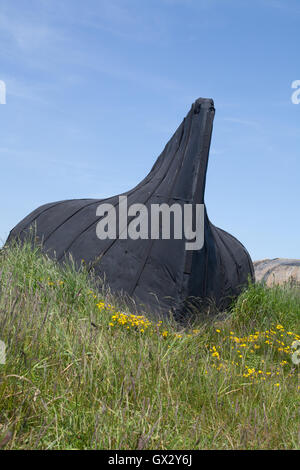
275, 342
247, 352
131, 321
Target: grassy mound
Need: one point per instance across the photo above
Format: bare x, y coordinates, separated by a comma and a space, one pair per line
81, 373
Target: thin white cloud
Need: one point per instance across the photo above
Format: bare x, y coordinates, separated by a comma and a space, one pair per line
45, 44
27, 35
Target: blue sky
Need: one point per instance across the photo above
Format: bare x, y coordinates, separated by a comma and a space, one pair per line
95, 89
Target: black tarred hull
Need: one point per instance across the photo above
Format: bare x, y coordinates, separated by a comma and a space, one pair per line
160, 274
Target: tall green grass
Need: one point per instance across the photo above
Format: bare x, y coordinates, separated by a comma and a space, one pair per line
78, 375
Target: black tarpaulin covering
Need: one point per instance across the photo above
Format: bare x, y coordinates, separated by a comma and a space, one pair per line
159, 274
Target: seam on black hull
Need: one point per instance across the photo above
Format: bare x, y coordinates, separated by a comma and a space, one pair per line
146, 258
237, 267
70, 217
27, 226
98, 257
150, 176
251, 269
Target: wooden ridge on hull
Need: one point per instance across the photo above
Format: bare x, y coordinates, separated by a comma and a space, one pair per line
160, 275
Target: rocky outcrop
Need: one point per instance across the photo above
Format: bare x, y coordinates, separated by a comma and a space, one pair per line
277, 271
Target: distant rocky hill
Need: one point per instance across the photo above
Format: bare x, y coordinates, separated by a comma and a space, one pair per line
277, 271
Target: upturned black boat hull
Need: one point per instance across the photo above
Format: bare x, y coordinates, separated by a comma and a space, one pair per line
160, 274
